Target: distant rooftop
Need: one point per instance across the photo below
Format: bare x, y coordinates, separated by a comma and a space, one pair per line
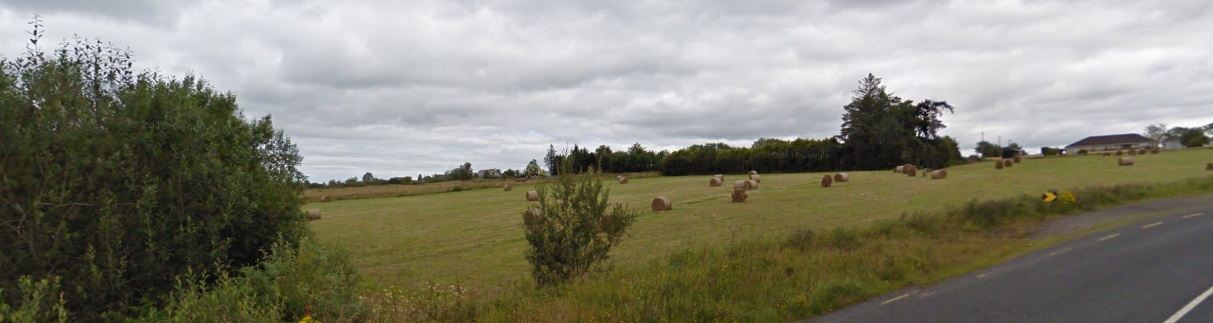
1127, 138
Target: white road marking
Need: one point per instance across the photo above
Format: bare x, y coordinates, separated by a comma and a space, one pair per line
1108, 237
1151, 225
894, 299
1188, 308
1060, 251
1189, 216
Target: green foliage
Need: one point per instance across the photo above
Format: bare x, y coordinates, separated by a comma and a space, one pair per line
117, 182
311, 276
39, 301
310, 279
227, 299
574, 228
1193, 137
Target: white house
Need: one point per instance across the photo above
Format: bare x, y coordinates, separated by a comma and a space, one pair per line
1095, 144
1172, 143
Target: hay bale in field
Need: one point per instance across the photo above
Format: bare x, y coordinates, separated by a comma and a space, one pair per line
1209, 166
939, 174
842, 177
313, 214
1141, 152
1154, 151
531, 215
900, 169
1008, 163
1107, 154
1120, 153
753, 172
1132, 152
508, 188
998, 164
911, 171
741, 185
532, 196
1016, 160
1124, 161
325, 198
714, 182
623, 180
719, 176
925, 172
826, 181
662, 203
739, 196
756, 178
753, 184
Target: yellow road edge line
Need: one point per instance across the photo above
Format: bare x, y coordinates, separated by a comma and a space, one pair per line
895, 299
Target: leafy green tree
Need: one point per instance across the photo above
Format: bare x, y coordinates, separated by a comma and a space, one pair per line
1193, 137
368, 178
117, 182
1156, 132
573, 227
532, 168
987, 149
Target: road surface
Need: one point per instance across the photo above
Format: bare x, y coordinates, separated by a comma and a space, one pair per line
1156, 270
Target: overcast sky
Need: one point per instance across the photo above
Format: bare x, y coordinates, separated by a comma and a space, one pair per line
399, 88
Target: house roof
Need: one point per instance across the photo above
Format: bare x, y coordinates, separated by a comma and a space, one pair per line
1127, 138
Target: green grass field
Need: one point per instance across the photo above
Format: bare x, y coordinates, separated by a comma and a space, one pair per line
475, 239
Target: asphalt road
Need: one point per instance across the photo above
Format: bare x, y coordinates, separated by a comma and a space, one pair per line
1156, 270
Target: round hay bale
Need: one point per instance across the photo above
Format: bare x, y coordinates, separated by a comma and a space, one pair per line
1120, 153
900, 169
741, 185
756, 178
1008, 162
911, 171
1209, 166
313, 214
623, 180
1124, 161
739, 196
939, 174
532, 195
531, 215
753, 184
753, 172
508, 188
325, 198
719, 176
662, 203
842, 177
714, 182
1016, 160
998, 164
1132, 152
826, 181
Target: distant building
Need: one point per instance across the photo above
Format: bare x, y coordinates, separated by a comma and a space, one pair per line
1095, 144
1171, 143
489, 173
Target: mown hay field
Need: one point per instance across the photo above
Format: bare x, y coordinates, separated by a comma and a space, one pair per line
475, 239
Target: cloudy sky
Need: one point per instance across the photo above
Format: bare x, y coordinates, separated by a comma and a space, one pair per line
399, 88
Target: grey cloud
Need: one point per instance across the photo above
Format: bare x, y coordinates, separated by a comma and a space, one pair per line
400, 88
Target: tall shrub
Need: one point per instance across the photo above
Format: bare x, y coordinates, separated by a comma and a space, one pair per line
573, 226
117, 181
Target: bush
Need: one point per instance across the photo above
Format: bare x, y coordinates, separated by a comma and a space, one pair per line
311, 276
573, 231
228, 299
38, 301
118, 182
